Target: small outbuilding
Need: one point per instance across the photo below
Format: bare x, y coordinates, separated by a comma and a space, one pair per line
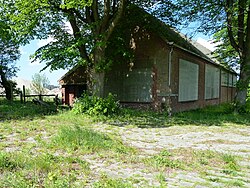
73, 84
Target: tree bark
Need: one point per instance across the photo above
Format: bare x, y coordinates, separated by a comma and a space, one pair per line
244, 67
98, 76
7, 86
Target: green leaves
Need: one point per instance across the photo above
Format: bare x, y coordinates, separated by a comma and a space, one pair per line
39, 83
93, 105
69, 4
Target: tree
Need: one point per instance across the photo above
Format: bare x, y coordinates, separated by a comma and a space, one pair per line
39, 83
9, 53
92, 23
230, 21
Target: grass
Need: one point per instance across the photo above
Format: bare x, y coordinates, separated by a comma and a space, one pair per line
163, 160
17, 110
42, 147
106, 182
87, 140
210, 116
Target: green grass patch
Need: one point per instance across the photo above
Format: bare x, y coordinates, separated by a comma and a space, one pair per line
210, 116
8, 161
106, 182
163, 160
87, 140
17, 110
231, 165
19, 169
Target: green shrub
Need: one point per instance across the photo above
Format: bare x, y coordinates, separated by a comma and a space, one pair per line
93, 105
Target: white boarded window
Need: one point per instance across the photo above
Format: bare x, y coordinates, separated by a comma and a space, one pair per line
224, 78
234, 80
212, 82
230, 80
188, 81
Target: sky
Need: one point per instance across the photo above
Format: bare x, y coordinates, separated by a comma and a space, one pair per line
28, 69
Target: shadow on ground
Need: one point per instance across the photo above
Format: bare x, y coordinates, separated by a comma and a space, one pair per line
211, 116
16, 110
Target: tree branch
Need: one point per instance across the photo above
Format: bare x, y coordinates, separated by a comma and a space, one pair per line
106, 16
117, 16
229, 12
77, 35
88, 15
241, 15
94, 8
79, 15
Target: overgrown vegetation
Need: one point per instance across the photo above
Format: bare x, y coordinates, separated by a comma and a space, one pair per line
41, 148
93, 105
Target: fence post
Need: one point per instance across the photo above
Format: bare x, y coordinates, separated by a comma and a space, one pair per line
24, 100
21, 97
40, 97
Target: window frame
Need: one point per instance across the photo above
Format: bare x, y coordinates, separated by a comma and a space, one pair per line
188, 84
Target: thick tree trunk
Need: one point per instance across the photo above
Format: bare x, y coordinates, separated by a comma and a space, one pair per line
98, 80
244, 47
98, 74
243, 82
7, 86
241, 95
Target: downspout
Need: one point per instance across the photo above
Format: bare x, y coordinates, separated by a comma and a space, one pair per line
169, 77
170, 62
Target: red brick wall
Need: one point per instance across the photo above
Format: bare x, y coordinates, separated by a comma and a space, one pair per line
227, 94
155, 55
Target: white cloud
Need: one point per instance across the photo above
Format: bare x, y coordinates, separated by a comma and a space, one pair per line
22, 51
41, 43
207, 43
68, 27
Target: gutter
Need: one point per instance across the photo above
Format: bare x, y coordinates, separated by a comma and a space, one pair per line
170, 62
197, 55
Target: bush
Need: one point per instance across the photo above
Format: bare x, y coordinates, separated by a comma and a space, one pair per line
93, 105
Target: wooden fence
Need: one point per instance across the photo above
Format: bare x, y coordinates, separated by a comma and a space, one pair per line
23, 95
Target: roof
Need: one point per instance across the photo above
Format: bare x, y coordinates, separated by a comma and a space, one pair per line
138, 16
75, 75
135, 16
170, 35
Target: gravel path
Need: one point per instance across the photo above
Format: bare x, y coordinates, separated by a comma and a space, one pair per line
150, 141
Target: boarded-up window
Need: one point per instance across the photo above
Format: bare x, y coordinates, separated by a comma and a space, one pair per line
224, 78
234, 80
230, 80
212, 82
188, 81
137, 85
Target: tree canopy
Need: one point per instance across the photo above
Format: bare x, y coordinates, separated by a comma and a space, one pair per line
229, 22
39, 83
9, 53
91, 24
